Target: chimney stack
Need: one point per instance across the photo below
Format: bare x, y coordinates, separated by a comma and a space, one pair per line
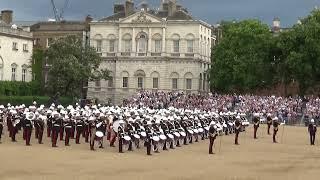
117, 8
178, 7
6, 16
144, 6
129, 7
172, 7
276, 25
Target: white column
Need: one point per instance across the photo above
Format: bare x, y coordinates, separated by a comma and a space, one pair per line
133, 41
163, 40
119, 43
149, 41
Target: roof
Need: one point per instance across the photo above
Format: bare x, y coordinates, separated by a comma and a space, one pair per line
59, 26
180, 15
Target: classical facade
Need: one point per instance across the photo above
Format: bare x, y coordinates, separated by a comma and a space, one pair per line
15, 50
164, 50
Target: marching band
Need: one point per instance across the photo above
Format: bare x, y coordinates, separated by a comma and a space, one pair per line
155, 129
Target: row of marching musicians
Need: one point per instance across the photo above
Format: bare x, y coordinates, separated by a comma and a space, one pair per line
155, 129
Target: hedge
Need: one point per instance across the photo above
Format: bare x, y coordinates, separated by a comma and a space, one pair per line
17, 88
27, 100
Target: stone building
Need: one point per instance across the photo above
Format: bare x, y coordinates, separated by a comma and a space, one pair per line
15, 50
165, 49
44, 33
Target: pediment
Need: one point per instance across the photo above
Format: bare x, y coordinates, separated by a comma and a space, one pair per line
141, 17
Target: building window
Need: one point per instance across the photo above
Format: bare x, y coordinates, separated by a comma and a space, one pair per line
110, 82
155, 83
14, 46
189, 84
97, 85
111, 45
174, 83
99, 45
157, 46
36, 41
142, 44
140, 82
125, 82
49, 42
176, 46
190, 46
25, 47
24, 74
13, 73
127, 45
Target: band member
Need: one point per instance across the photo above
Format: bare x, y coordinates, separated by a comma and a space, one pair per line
275, 129
155, 130
256, 122
121, 135
15, 122
39, 124
79, 128
92, 130
27, 122
86, 131
1, 123
312, 129
114, 134
237, 124
56, 123
68, 129
149, 137
165, 130
101, 126
130, 130
49, 123
269, 122
212, 136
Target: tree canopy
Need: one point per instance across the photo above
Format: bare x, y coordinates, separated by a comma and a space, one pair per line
250, 56
71, 66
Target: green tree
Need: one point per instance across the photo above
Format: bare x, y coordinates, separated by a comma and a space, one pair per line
300, 52
242, 61
72, 66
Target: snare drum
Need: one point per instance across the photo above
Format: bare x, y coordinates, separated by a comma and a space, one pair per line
196, 131
143, 134
190, 131
183, 134
200, 130
136, 136
171, 136
127, 138
163, 137
99, 134
156, 138
176, 134
206, 128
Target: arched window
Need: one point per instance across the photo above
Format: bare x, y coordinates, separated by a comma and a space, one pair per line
142, 43
188, 81
140, 74
112, 42
174, 80
176, 43
14, 67
24, 73
157, 42
127, 40
190, 43
1, 68
155, 80
98, 42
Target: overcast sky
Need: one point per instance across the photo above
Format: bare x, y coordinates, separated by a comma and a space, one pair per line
211, 11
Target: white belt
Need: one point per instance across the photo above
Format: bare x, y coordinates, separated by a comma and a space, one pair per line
56, 125
27, 124
79, 125
68, 126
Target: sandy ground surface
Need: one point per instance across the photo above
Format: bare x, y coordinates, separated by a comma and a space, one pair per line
292, 159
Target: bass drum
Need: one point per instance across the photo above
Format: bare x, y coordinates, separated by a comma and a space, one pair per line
190, 131
99, 134
196, 131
